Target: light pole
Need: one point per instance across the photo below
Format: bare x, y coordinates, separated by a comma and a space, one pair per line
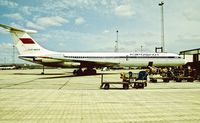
13, 54
116, 42
141, 48
162, 27
4, 60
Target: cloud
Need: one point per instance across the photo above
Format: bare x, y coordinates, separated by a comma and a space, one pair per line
44, 22
79, 21
73, 41
26, 10
188, 39
16, 25
33, 25
51, 21
62, 40
192, 15
6, 50
106, 31
15, 16
124, 11
8, 3
72, 9
3, 31
6, 46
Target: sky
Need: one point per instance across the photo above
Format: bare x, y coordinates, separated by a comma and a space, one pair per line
90, 25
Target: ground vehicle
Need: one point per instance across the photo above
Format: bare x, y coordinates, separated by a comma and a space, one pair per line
128, 80
176, 73
195, 66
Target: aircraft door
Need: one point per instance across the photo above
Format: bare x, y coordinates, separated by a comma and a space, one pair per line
195, 57
127, 58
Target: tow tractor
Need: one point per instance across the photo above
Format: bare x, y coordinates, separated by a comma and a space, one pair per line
128, 80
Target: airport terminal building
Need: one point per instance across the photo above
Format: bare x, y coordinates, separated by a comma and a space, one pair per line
191, 55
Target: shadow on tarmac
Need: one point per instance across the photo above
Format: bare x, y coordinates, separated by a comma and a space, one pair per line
39, 74
68, 76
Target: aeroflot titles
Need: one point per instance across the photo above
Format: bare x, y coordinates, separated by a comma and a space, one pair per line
150, 54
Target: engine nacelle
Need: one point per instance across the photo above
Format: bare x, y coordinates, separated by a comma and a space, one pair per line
50, 60
71, 64
62, 64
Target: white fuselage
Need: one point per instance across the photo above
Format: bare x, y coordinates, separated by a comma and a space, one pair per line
130, 59
109, 59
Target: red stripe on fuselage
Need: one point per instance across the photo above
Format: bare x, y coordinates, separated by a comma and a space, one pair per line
27, 41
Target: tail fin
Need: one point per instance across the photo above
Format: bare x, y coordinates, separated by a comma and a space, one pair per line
24, 43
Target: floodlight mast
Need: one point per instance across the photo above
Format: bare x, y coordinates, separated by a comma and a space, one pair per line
162, 26
116, 43
13, 53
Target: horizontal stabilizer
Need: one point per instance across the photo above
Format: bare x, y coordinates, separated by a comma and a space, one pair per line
9, 28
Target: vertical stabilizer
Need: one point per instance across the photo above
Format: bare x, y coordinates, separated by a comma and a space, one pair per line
24, 43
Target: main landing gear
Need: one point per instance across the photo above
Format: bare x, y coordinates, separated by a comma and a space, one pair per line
85, 72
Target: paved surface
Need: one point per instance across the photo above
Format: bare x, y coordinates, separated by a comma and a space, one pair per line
26, 96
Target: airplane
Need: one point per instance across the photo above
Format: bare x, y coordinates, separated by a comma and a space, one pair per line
7, 68
31, 51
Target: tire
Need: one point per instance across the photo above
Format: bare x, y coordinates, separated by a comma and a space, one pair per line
125, 86
75, 72
166, 80
79, 72
178, 80
107, 86
145, 84
190, 80
141, 85
94, 72
89, 72
136, 85
153, 80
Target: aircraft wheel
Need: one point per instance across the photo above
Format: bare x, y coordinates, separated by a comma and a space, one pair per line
79, 72
94, 71
75, 72
86, 72
90, 72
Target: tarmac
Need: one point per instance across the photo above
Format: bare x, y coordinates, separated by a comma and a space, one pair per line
58, 96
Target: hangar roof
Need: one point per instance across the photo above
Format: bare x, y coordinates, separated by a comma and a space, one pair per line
190, 52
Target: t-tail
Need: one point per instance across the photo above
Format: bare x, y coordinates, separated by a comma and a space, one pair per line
24, 43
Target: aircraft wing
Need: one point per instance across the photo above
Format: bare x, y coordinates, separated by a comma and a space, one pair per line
84, 62
94, 63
